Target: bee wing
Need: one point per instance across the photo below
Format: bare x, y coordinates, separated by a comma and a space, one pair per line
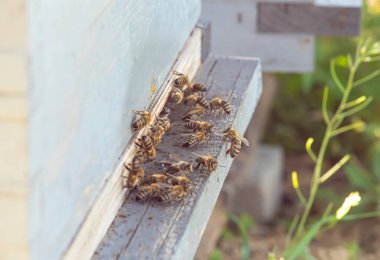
175, 157
164, 186
244, 141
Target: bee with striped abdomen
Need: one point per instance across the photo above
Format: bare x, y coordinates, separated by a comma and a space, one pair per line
177, 168
216, 104
164, 122
204, 126
198, 87
195, 113
235, 148
156, 134
181, 81
136, 172
156, 177
230, 134
146, 145
196, 138
196, 99
141, 121
177, 192
207, 162
233, 136
195, 88
149, 191
175, 96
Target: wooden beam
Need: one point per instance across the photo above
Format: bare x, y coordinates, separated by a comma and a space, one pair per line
234, 33
111, 197
155, 231
334, 17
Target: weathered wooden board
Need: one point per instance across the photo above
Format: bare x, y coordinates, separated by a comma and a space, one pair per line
155, 231
112, 195
334, 17
234, 33
91, 63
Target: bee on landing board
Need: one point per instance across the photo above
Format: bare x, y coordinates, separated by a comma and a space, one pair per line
156, 134
217, 104
207, 162
233, 136
195, 113
194, 88
149, 191
142, 120
164, 122
181, 81
204, 126
196, 99
145, 143
177, 168
175, 96
136, 172
177, 192
166, 178
198, 137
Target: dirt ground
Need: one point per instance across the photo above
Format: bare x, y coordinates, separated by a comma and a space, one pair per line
348, 240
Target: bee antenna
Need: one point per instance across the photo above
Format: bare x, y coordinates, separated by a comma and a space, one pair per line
170, 175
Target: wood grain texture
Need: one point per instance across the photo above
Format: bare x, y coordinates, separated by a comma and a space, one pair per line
154, 231
91, 64
234, 33
328, 18
112, 195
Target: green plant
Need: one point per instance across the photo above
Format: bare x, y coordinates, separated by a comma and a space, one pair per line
244, 223
216, 255
337, 122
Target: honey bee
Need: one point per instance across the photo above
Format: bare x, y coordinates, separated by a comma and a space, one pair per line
165, 123
196, 99
146, 144
180, 167
136, 173
198, 87
177, 192
150, 191
233, 136
141, 121
218, 103
181, 180
204, 126
156, 134
197, 112
157, 177
176, 96
181, 81
230, 134
235, 147
195, 88
196, 138
166, 179
207, 162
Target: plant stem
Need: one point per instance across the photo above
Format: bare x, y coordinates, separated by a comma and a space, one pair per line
333, 124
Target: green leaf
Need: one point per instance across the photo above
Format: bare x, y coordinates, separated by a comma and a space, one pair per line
375, 158
298, 249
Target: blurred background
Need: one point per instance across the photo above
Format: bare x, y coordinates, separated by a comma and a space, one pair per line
295, 115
